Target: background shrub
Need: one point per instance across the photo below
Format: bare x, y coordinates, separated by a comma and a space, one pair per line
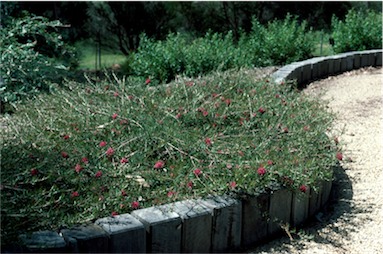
33, 55
277, 43
359, 31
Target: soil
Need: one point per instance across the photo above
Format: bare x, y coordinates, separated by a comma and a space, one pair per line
353, 221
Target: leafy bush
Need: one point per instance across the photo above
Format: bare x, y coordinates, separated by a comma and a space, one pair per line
92, 150
278, 43
29, 46
359, 31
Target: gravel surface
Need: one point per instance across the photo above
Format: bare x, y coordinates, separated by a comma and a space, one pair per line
353, 222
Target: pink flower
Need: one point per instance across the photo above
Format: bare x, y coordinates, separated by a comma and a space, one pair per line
339, 156
261, 171
205, 113
171, 193
261, 110
64, 155
66, 137
109, 152
124, 160
75, 194
147, 81
159, 164
85, 160
102, 144
190, 184
306, 128
228, 102
78, 168
115, 115
197, 172
233, 185
135, 204
270, 162
303, 188
208, 141
115, 94
114, 213
34, 171
98, 174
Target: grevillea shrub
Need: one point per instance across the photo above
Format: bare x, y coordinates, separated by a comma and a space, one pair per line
93, 150
358, 31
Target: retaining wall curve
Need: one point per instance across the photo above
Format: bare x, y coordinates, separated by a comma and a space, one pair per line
215, 224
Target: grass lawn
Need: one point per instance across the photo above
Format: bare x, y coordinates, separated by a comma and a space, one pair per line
91, 150
88, 52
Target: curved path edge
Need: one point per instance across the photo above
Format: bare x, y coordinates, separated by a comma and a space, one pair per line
215, 224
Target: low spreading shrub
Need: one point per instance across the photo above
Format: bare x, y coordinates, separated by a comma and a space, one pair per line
359, 31
94, 150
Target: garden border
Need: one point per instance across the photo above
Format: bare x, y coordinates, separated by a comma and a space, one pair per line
215, 224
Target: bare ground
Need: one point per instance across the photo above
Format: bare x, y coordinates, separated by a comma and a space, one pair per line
353, 222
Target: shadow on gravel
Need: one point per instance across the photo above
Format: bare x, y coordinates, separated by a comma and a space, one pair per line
338, 209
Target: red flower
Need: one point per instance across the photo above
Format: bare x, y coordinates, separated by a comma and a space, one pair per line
135, 204
75, 194
66, 137
261, 171
197, 172
109, 152
270, 162
114, 213
261, 110
115, 115
98, 174
277, 96
303, 188
34, 171
102, 144
205, 113
233, 185
123, 192
178, 116
228, 102
190, 184
159, 164
171, 193
64, 155
115, 94
78, 168
124, 160
339, 156
147, 81
208, 141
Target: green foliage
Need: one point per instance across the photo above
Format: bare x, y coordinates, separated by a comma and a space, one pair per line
88, 150
359, 31
279, 43
33, 55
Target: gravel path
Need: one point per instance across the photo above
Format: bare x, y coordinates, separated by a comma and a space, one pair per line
353, 222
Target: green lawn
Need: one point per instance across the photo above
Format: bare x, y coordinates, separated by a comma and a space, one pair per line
88, 53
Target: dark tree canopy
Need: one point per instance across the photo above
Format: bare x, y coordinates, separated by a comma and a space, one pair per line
119, 24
